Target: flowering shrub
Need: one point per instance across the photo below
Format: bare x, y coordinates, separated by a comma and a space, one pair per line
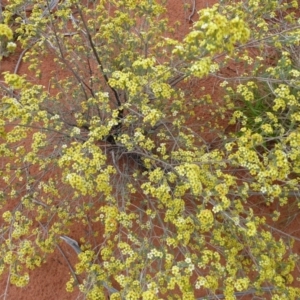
115, 144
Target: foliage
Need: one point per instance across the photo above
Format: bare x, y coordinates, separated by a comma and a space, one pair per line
114, 146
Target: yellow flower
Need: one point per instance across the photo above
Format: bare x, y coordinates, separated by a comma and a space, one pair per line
5, 31
251, 231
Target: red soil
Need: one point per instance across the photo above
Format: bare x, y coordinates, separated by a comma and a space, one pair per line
48, 281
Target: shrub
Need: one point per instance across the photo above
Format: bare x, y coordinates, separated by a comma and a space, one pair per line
114, 144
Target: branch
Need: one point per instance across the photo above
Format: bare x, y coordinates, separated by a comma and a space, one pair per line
193, 12
68, 263
97, 57
247, 292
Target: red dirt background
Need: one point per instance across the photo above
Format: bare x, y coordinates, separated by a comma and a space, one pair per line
48, 281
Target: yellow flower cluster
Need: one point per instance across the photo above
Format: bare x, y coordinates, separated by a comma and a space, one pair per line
70, 285
110, 216
19, 280
208, 282
151, 115
241, 284
38, 141
246, 90
206, 219
201, 67
185, 227
14, 80
7, 216
154, 253
21, 225
214, 33
192, 172
78, 183
283, 97
142, 64
96, 293
5, 31
267, 129
161, 90
6, 45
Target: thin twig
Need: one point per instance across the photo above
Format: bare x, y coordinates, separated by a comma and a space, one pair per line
247, 292
5, 294
98, 58
68, 263
193, 11
50, 6
179, 78
77, 249
71, 243
20, 59
282, 232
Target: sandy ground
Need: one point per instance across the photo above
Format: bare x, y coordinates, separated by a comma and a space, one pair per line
48, 282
